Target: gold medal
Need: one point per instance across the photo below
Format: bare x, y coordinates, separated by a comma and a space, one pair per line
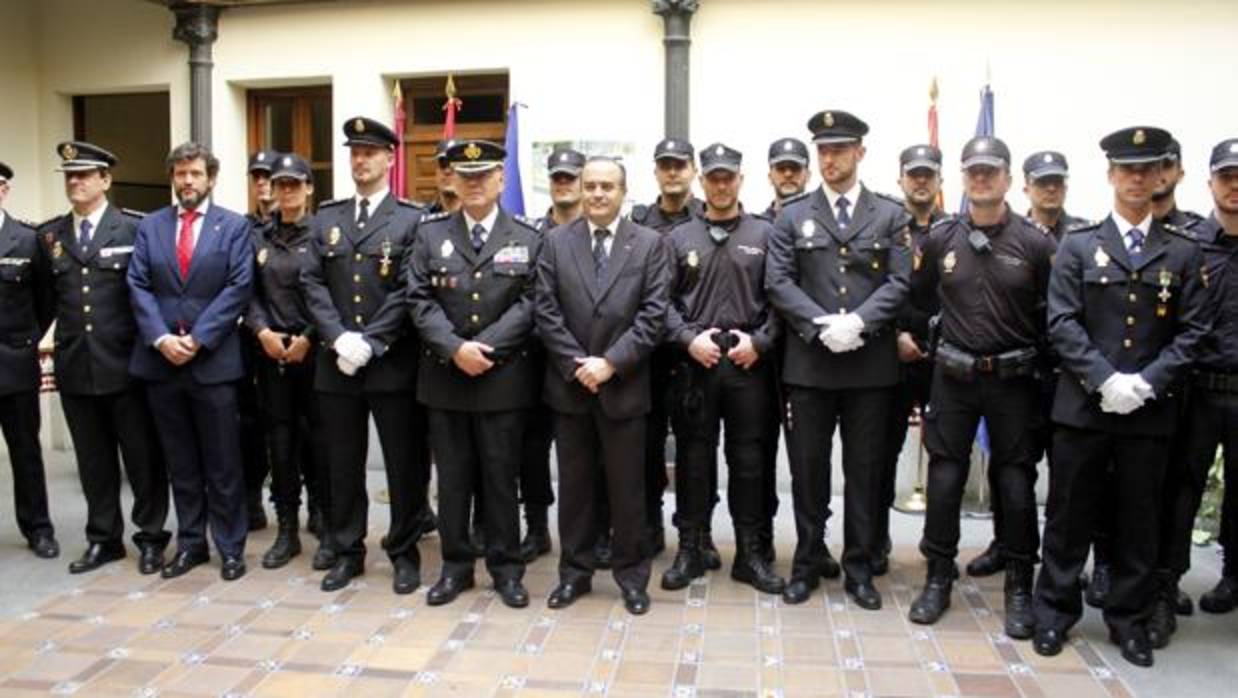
1162, 310
947, 264
1165, 278
385, 266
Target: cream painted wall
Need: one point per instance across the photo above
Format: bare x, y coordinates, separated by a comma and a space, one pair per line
19, 83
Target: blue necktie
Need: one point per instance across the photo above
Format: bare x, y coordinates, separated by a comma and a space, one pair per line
83, 240
844, 218
1135, 244
478, 241
599, 251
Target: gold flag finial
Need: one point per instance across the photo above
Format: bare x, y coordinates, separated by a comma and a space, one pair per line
450, 91
933, 89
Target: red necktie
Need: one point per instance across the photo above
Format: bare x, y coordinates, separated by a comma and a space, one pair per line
184, 241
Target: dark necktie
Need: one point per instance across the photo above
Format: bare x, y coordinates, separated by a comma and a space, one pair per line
83, 240
1135, 244
844, 218
364, 216
478, 237
599, 251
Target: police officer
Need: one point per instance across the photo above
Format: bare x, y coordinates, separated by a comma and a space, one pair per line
1210, 414
446, 199
788, 173
1164, 202
471, 299
1126, 309
564, 166
723, 330
920, 180
261, 188
675, 169
25, 312
368, 365
990, 271
837, 271
284, 363
1044, 182
107, 412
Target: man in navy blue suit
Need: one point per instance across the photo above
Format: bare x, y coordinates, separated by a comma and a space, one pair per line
190, 278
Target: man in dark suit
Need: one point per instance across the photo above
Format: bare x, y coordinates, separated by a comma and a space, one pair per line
24, 316
190, 279
602, 296
88, 252
358, 296
1127, 306
837, 269
471, 299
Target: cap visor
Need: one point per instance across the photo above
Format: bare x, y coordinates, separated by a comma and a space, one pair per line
720, 166
797, 159
471, 168
825, 140
684, 157
367, 142
291, 175
1135, 159
987, 160
566, 169
260, 168
922, 165
1047, 172
82, 166
1226, 164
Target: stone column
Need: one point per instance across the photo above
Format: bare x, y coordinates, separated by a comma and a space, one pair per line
197, 24
677, 19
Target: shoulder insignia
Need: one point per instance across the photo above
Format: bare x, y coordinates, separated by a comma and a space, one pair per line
430, 218
527, 222
1185, 233
135, 214
408, 203
793, 199
891, 198
1081, 223
333, 202
25, 223
1085, 227
944, 220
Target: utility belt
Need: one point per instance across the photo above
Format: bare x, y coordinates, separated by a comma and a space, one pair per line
963, 365
1217, 382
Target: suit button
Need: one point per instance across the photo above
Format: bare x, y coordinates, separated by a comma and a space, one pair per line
356, 299
476, 296
1127, 343
1104, 279
842, 269
1134, 276
85, 308
843, 251
356, 278
476, 318
357, 257
359, 319
1130, 320
85, 289
85, 271
842, 290
1134, 298
89, 328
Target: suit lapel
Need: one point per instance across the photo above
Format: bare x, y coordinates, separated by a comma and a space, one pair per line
1111, 242
8, 236
68, 240
379, 219
582, 252
499, 235
824, 215
106, 233
461, 239
1153, 247
862, 214
620, 252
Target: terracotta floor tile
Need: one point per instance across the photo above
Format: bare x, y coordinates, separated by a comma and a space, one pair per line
638, 671
899, 682
987, 685
1073, 686
206, 679
735, 676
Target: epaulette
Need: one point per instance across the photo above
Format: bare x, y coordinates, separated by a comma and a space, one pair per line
408, 203
891, 198
24, 223
792, 199
1091, 225
1083, 223
431, 217
136, 214
333, 202
948, 218
640, 212
526, 222
52, 221
1183, 232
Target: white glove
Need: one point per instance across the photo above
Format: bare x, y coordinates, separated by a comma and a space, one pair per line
1118, 394
1142, 388
346, 367
841, 333
352, 346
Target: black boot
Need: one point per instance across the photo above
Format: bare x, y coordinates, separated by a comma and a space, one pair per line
750, 566
709, 553
935, 598
1020, 623
988, 563
1098, 588
287, 543
537, 538
765, 534
688, 564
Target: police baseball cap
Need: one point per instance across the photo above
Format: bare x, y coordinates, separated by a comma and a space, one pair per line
262, 161
985, 150
565, 161
1224, 155
291, 166
1046, 163
1136, 144
475, 156
788, 150
920, 157
6, 173
836, 127
677, 148
80, 156
361, 130
720, 157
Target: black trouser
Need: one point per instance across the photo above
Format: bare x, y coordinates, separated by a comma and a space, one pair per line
592, 448
401, 424
19, 420
106, 428
702, 401
1211, 420
200, 433
911, 392
294, 437
773, 427
1044, 445
1012, 413
812, 416
253, 445
539, 433
483, 448
656, 481
1078, 483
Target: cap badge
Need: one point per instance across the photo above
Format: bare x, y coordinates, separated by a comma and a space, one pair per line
670, 145
828, 120
261, 156
562, 157
919, 151
787, 146
358, 125
1139, 138
719, 151
288, 162
1048, 158
982, 146
1233, 147
472, 151
68, 151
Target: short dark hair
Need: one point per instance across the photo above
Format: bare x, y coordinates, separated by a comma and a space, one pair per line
191, 150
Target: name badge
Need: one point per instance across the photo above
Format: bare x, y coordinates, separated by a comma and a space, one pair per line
111, 251
516, 254
13, 261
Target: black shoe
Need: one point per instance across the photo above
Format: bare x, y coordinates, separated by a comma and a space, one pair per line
687, 565
1020, 621
798, 591
446, 589
636, 601
750, 568
934, 599
1183, 605
988, 563
709, 552
324, 558
407, 576
341, 573
830, 569
1222, 598
233, 568
182, 562
96, 556
257, 518
287, 544
864, 594
1162, 624
1048, 643
44, 545
602, 554
536, 543
512, 593
1136, 648
150, 558
1098, 588
566, 593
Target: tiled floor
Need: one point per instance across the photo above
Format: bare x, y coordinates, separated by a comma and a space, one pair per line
273, 633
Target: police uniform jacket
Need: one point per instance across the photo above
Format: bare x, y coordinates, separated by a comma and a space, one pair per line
1218, 350
813, 268
356, 283
652, 216
458, 295
282, 254
95, 328
922, 304
25, 306
1066, 223
1107, 315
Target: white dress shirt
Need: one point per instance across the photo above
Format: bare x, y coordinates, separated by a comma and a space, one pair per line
94, 218
852, 194
1125, 226
375, 199
612, 227
487, 223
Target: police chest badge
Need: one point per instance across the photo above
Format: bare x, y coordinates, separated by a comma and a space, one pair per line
333, 235
947, 264
57, 250
446, 249
1101, 259
693, 259
262, 256
808, 228
1165, 278
512, 254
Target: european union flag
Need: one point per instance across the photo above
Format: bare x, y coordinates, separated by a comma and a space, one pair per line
512, 198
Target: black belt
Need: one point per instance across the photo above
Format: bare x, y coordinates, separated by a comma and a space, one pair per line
1219, 382
727, 341
965, 365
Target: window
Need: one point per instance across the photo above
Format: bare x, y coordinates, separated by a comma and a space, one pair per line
295, 120
136, 128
